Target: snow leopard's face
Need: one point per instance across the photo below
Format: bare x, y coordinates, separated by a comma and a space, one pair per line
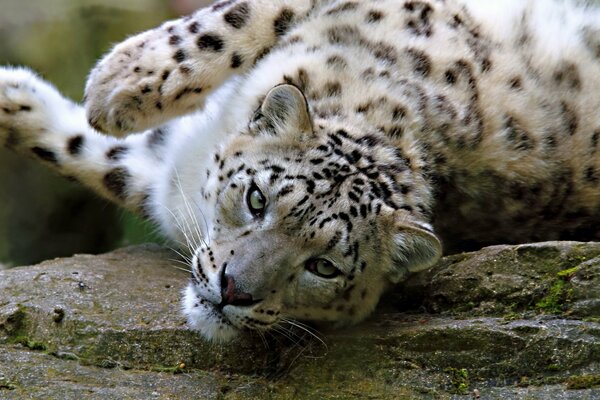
309, 229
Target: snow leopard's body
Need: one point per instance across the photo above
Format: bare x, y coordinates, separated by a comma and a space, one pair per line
311, 180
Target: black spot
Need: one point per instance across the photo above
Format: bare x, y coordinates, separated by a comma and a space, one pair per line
591, 175
74, 145
568, 74
283, 22
194, 27
157, 137
337, 61
25, 108
456, 21
595, 139
517, 135
348, 6
261, 54
374, 16
236, 60
570, 119
418, 21
179, 56
285, 191
222, 4
450, 77
384, 51
117, 153
210, 41
174, 40
345, 34
421, 63
44, 154
146, 89
515, 83
238, 15
165, 74
115, 181
333, 88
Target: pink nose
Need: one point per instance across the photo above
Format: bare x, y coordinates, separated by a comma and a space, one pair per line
230, 295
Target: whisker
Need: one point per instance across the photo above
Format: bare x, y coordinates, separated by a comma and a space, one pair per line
311, 331
190, 213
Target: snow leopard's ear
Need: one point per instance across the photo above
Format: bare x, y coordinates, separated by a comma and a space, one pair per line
414, 246
285, 111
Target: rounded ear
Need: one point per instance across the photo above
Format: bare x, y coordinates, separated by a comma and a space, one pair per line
285, 111
415, 247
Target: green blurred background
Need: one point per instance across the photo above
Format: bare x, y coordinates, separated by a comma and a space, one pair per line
41, 214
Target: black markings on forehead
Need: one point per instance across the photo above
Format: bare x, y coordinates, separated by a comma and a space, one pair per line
284, 191
335, 239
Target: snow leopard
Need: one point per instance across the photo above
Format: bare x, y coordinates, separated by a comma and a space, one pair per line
311, 154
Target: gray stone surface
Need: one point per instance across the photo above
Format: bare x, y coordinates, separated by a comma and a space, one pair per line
508, 322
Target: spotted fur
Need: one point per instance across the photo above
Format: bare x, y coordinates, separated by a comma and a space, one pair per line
339, 143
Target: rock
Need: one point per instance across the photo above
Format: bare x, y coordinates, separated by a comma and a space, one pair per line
507, 322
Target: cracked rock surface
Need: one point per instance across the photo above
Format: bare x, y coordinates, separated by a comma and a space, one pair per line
506, 322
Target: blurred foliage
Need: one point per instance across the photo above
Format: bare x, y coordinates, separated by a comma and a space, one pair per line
42, 215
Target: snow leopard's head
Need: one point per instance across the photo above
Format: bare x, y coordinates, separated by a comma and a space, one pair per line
301, 221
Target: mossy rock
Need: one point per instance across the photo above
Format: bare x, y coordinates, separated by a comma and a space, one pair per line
109, 326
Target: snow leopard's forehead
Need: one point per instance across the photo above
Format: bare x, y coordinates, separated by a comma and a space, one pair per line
357, 171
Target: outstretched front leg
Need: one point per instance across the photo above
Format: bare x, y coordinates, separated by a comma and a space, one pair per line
168, 71
37, 121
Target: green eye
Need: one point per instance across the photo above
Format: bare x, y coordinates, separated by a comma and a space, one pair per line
256, 201
322, 267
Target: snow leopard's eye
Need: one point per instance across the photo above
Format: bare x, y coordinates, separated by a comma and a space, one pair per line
322, 267
256, 201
